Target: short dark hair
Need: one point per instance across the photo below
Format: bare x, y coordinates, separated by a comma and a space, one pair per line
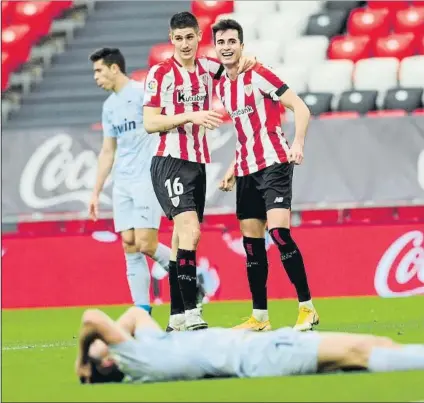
114, 375
110, 56
183, 20
224, 25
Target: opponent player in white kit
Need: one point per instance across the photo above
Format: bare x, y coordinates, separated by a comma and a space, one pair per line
136, 348
136, 211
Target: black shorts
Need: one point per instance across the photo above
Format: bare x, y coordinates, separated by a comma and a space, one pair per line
179, 185
264, 190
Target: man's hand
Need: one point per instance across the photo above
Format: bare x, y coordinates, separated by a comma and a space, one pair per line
296, 153
93, 207
83, 371
246, 63
229, 181
208, 119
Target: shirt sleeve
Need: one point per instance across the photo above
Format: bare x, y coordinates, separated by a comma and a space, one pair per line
269, 82
107, 125
156, 87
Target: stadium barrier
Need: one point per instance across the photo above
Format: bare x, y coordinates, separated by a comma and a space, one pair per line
89, 269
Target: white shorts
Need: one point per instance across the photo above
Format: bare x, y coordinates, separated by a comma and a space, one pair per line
135, 206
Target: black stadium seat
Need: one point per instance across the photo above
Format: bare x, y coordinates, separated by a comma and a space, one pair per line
407, 99
317, 102
343, 5
327, 23
358, 101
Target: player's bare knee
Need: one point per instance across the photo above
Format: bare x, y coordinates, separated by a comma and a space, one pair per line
357, 354
146, 246
90, 316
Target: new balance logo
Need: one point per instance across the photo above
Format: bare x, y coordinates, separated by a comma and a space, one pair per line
279, 200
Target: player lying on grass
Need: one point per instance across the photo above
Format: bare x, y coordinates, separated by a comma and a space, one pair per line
135, 348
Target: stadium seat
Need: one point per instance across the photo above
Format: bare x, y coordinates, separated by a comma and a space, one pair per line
58, 7
317, 102
159, 53
7, 11
350, 47
258, 8
294, 75
376, 73
36, 14
139, 75
395, 45
357, 101
211, 9
370, 215
369, 21
413, 213
411, 72
331, 76
320, 217
306, 8
291, 25
308, 50
5, 70
327, 23
266, 51
205, 24
16, 41
410, 20
391, 6
407, 99
343, 5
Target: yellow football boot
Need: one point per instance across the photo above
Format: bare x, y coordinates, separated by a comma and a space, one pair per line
254, 325
307, 319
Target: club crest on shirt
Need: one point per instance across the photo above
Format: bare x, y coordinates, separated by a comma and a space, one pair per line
204, 78
248, 89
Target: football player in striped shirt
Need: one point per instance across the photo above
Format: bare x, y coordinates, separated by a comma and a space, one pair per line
176, 104
263, 171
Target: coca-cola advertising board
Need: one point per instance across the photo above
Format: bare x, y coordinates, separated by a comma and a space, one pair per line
387, 261
347, 162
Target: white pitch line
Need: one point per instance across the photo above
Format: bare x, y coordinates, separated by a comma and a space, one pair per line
37, 346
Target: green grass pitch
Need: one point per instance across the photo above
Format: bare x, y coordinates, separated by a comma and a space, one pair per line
38, 353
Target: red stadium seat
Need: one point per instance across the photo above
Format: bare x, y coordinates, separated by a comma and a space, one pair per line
421, 46
368, 21
16, 41
37, 14
370, 215
387, 113
410, 20
139, 75
160, 52
7, 12
392, 6
211, 9
414, 213
395, 45
349, 47
58, 7
205, 24
5, 70
320, 217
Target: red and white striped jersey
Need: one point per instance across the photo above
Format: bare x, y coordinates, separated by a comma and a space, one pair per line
252, 101
173, 88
